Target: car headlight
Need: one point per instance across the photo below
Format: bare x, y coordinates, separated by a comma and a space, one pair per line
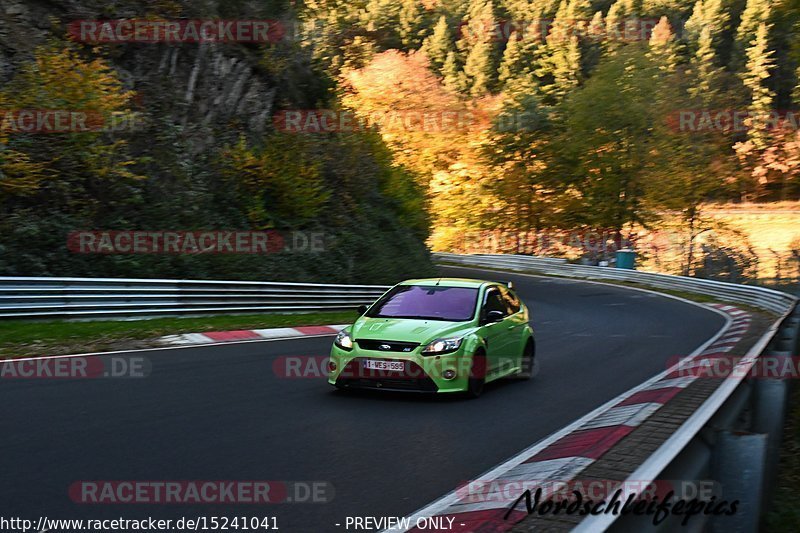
440, 346
343, 340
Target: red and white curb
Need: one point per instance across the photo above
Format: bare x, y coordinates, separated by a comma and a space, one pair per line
562, 456
210, 337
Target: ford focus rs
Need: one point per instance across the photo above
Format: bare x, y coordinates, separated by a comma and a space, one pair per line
436, 335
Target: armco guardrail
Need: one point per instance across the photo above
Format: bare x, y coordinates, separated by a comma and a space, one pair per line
734, 437
768, 299
30, 297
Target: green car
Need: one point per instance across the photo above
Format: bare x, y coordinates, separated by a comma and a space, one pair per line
435, 335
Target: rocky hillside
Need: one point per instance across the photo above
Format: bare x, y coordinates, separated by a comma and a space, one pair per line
196, 151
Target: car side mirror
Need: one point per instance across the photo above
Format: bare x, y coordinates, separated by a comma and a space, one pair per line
493, 316
361, 309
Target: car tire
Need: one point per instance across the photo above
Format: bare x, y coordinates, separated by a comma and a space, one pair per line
528, 362
477, 374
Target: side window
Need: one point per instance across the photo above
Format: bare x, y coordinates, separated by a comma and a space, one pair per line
495, 302
511, 301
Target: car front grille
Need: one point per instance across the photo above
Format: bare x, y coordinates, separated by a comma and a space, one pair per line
386, 346
411, 385
411, 378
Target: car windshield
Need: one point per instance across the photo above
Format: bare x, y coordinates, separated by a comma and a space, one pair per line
454, 304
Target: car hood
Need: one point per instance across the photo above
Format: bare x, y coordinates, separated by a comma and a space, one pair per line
407, 330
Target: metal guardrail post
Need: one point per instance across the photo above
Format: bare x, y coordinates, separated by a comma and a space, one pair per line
771, 400
738, 465
769, 411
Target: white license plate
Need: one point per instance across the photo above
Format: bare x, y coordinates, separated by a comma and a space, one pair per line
372, 364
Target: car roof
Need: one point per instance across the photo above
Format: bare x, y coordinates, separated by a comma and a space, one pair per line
447, 282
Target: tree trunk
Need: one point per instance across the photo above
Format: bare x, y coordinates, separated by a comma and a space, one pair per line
687, 271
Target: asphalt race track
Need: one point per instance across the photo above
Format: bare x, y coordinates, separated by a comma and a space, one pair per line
220, 413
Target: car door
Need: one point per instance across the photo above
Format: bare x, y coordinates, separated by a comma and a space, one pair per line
515, 323
496, 334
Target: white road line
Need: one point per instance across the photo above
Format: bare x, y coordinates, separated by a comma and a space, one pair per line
625, 415
163, 348
272, 333
681, 382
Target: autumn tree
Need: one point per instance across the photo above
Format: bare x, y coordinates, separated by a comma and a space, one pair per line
511, 65
606, 141
411, 24
83, 162
755, 79
796, 91
771, 153
663, 49
479, 48
759, 110
559, 66
707, 14
684, 189
756, 12
530, 189
453, 76
705, 74
445, 157
438, 45
280, 183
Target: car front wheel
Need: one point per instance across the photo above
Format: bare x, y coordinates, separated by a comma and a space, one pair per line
477, 374
528, 362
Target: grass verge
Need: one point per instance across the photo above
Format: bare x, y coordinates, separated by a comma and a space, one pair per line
27, 338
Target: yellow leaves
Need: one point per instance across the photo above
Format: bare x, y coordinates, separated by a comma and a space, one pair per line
59, 78
107, 161
19, 175
776, 160
397, 81
242, 163
281, 182
395, 84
